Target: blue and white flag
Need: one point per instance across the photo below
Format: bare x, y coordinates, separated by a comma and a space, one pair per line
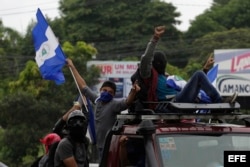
91, 125
176, 82
49, 55
212, 74
91, 118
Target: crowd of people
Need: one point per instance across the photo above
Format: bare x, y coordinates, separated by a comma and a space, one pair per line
69, 133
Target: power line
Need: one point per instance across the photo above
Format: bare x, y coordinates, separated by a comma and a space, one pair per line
25, 12
45, 3
192, 5
49, 2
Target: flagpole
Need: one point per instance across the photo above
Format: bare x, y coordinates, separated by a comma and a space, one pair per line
82, 97
91, 123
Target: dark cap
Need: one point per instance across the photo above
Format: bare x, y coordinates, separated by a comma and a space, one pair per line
76, 113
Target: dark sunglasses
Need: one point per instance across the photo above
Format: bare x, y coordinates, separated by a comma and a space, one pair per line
77, 122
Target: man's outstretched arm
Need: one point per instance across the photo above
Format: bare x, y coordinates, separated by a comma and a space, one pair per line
80, 81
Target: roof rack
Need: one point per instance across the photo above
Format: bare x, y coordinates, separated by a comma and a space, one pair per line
176, 116
217, 111
210, 106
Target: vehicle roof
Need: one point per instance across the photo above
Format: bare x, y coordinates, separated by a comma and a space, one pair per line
164, 128
217, 120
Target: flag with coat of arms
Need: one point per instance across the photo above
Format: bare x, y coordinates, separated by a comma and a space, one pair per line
49, 55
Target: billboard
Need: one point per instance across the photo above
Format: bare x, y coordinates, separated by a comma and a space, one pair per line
233, 72
118, 72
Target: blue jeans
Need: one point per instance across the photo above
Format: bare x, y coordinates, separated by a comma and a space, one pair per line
198, 81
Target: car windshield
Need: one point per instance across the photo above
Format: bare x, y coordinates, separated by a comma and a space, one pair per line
199, 150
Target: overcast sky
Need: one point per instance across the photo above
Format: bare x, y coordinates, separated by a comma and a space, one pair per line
17, 14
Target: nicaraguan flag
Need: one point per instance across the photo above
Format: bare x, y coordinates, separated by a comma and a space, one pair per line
49, 55
91, 124
91, 118
212, 74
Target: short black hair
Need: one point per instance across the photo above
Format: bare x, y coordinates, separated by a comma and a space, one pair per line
110, 84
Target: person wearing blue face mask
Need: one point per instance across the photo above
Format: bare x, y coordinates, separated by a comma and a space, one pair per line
106, 107
106, 96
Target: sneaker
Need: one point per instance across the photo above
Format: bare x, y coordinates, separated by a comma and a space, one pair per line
231, 99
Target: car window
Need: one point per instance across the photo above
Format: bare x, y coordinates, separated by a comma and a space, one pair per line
241, 142
198, 150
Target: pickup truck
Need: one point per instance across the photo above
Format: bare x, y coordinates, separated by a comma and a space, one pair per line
182, 138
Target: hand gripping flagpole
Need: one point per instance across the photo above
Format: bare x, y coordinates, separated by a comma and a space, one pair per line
82, 97
91, 123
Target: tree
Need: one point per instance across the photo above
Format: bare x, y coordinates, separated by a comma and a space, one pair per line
117, 28
221, 2
223, 15
10, 61
9, 51
25, 120
231, 39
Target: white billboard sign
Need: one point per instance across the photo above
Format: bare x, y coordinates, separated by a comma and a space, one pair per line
122, 69
233, 71
118, 72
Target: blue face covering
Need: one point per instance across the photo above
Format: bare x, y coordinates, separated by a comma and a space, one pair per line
104, 97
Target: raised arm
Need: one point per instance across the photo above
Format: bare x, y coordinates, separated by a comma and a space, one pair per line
209, 64
147, 57
80, 81
131, 97
60, 124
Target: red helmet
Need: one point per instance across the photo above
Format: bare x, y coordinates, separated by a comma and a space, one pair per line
49, 139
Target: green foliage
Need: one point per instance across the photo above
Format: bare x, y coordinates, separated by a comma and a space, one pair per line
130, 58
1, 141
25, 120
29, 81
27, 47
231, 39
192, 66
10, 41
234, 14
221, 2
223, 15
117, 28
80, 50
4, 88
185, 72
81, 53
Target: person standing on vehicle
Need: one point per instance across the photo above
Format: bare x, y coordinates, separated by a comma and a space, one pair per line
152, 70
72, 150
106, 107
